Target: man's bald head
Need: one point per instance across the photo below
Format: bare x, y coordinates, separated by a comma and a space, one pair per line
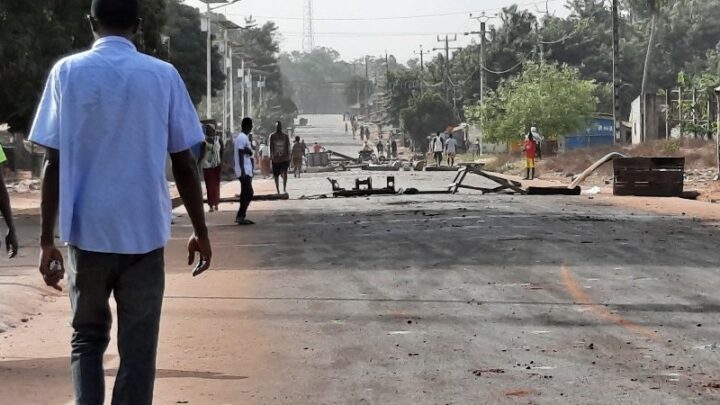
116, 15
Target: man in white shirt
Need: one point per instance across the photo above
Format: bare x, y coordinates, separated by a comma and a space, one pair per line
108, 119
451, 150
437, 146
244, 169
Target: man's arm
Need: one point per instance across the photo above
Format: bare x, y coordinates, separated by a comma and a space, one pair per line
272, 146
241, 158
188, 185
49, 202
203, 150
11, 243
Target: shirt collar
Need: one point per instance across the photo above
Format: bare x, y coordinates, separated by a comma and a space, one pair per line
115, 42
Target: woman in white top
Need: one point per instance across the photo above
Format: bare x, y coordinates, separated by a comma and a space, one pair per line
211, 153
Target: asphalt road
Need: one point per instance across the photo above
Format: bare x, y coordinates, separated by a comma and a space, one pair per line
444, 299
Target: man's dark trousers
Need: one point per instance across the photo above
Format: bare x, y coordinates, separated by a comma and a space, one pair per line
137, 282
246, 196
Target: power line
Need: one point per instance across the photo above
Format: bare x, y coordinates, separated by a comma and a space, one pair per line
404, 17
370, 34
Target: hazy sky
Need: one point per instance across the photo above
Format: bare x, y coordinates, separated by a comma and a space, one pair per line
359, 27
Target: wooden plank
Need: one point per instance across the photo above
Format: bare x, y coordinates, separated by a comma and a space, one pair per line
461, 173
502, 181
266, 197
554, 191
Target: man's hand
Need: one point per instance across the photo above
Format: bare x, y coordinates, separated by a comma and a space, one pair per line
11, 243
201, 245
51, 266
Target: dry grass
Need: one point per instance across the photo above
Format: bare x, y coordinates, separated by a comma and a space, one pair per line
503, 163
698, 155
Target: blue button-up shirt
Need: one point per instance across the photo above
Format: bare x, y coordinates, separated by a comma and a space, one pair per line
113, 114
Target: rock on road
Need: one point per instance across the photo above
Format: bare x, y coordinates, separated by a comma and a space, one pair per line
441, 299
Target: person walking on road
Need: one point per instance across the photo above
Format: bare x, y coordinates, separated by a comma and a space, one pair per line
437, 146
280, 155
244, 170
379, 148
264, 153
211, 153
394, 148
11, 243
451, 150
108, 117
529, 148
298, 152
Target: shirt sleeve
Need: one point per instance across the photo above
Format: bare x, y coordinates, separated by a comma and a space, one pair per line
184, 130
45, 129
3, 158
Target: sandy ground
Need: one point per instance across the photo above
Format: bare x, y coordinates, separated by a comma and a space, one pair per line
444, 299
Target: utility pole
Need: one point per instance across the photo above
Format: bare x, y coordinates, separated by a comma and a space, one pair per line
225, 88
208, 97
422, 61
447, 48
241, 75
250, 94
422, 66
367, 87
208, 23
261, 87
482, 19
231, 76
615, 71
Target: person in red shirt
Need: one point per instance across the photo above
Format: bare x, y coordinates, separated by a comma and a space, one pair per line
530, 149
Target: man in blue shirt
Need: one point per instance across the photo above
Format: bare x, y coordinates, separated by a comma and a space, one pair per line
108, 119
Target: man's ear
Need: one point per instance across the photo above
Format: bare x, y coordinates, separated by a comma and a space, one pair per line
93, 24
137, 26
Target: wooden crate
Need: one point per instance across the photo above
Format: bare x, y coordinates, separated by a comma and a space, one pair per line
649, 177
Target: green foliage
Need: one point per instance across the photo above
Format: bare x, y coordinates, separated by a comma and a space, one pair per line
402, 87
275, 108
35, 34
358, 90
426, 115
553, 98
670, 147
187, 51
318, 80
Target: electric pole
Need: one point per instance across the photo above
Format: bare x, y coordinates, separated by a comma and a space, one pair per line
422, 66
422, 54
616, 72
387, 67
447, 48
482, 19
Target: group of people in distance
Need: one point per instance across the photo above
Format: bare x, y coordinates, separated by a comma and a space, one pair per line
274, 156
440, 146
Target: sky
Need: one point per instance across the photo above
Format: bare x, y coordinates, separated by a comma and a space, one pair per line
356, 28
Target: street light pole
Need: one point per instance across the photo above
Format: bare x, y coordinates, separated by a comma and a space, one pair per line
208, 56
208, 99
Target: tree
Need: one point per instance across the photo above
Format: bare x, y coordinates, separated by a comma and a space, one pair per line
317, 81
402, 87
426, 114
187, 51
553, 98
35, 34
358, 90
